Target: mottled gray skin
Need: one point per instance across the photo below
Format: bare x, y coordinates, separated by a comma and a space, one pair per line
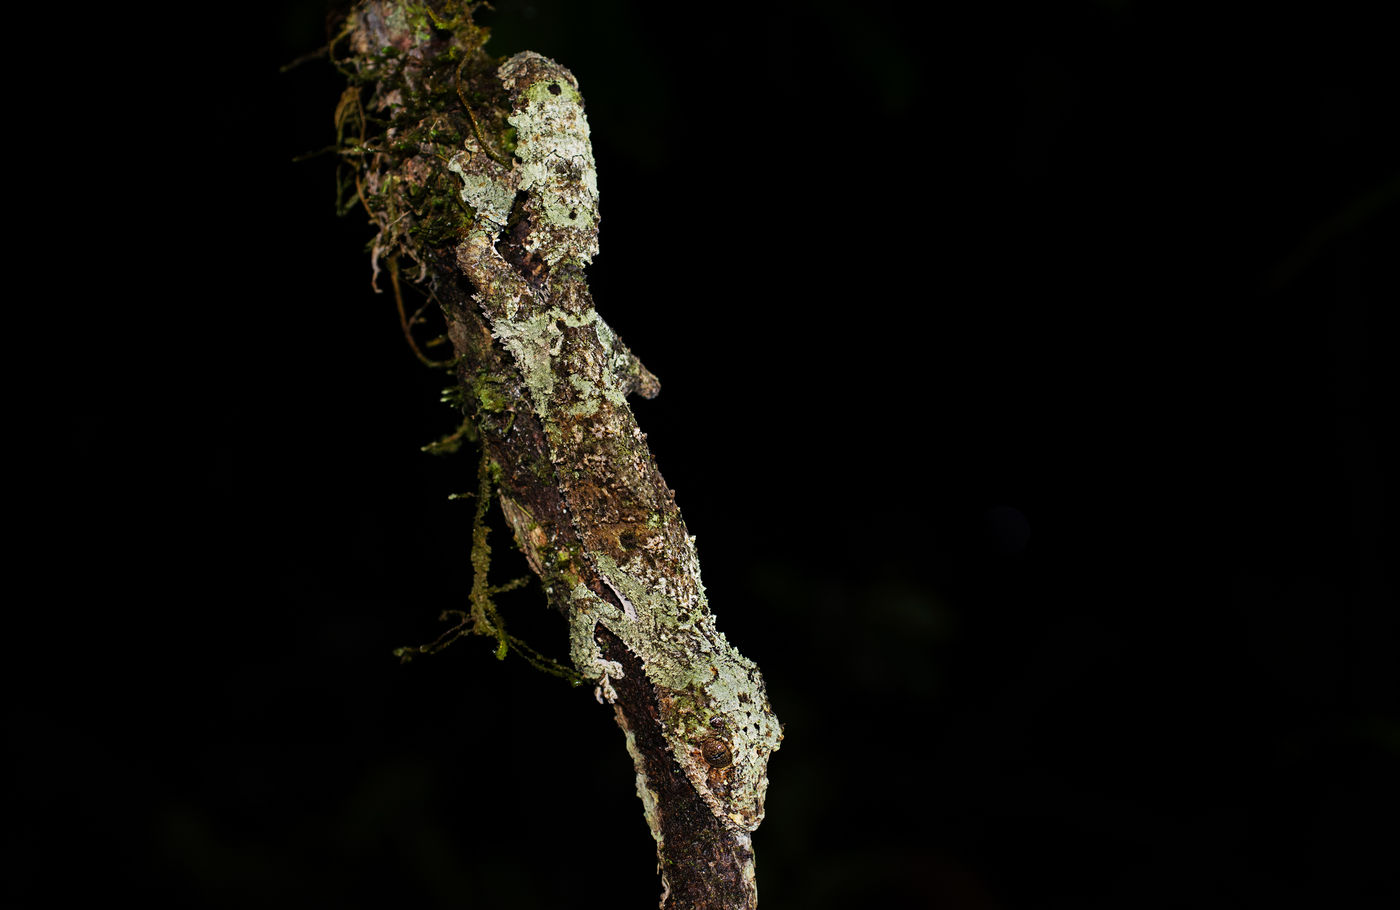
640, 577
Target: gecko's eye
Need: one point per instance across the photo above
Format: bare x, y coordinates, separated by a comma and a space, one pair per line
554, 88
716, 753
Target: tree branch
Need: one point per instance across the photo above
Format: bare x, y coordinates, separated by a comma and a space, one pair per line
480, 173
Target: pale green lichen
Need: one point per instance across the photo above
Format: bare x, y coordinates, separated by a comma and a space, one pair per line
489, 196
588, 398
556, 158
534, 342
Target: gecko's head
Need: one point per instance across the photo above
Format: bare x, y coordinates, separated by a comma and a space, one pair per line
723, 748
736, 773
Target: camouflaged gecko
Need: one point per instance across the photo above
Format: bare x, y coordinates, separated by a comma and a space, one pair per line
645, 586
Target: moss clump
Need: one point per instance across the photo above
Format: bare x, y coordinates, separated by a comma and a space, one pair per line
422, 90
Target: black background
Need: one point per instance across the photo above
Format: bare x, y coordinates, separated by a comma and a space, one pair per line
1022, 371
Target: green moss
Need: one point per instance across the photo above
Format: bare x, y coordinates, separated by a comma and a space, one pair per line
398, 125
490, 397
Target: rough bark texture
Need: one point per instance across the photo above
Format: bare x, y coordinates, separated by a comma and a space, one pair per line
479, 173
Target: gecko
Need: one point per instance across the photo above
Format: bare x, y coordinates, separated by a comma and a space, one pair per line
640, 577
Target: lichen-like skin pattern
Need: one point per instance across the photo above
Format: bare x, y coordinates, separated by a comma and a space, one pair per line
556, 159
637, 574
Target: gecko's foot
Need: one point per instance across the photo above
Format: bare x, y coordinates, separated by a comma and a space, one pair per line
611, 670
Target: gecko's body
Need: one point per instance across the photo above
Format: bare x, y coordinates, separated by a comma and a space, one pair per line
638, 575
